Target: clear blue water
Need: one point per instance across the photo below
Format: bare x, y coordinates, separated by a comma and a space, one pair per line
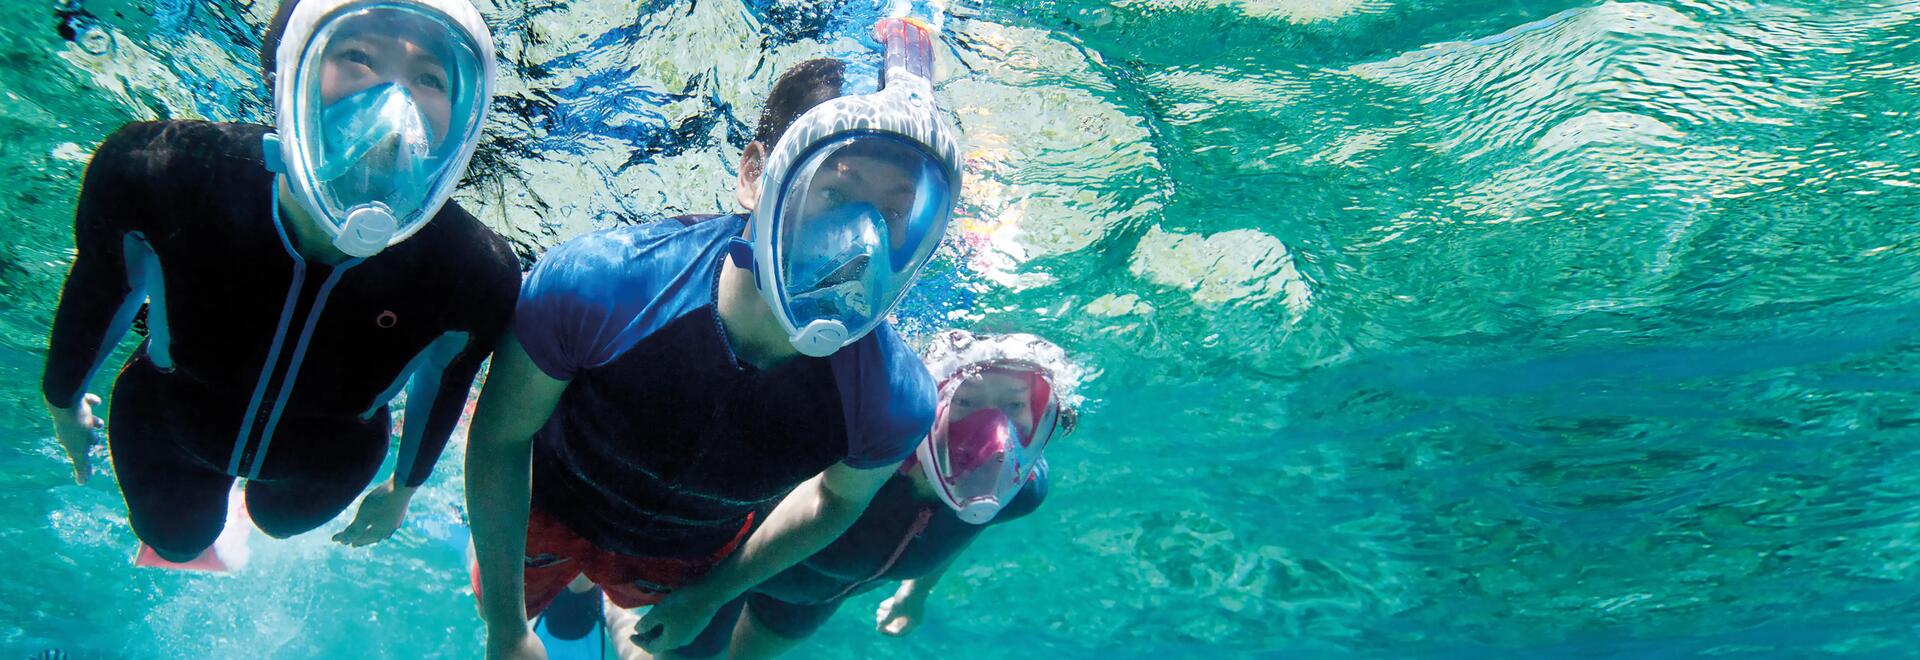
1420, 328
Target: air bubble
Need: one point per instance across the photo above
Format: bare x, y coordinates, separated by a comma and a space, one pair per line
93, 38
81, 27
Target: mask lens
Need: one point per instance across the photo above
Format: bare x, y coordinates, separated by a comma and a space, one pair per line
857, 219
386, 100
1026, 391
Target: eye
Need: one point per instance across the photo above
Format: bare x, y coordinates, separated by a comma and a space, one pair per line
431, 81
833, 196
357, 56
961, 402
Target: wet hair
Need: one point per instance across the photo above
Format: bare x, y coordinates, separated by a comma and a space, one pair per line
798, 90
270, 43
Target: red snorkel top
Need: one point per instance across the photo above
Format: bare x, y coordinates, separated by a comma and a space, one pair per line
907, 44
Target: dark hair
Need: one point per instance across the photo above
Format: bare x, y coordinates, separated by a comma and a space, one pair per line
270, 44
798, 90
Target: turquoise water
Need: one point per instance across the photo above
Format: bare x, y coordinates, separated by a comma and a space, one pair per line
1420, 328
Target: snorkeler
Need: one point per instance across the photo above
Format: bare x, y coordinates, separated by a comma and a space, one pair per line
297, 278
1002, 399
690, 406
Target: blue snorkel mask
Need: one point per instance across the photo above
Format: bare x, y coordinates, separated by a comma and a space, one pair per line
378, 109
853, 201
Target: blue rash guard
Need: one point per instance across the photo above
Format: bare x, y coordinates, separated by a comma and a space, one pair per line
664, 441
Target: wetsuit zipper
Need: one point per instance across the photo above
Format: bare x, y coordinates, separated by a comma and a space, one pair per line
254, 455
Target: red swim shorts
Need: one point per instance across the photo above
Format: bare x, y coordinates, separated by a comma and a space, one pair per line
555, 555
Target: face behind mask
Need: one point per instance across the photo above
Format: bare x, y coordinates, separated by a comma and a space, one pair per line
379, 106
854, 200
995, 420
834, 270
979, 465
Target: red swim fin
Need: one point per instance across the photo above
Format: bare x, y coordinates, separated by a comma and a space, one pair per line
229, 552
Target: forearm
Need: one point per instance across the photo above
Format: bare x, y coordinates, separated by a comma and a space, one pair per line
400, 489
436, 397
93, 303
802, 524
919, 588
98, 299
499, 478
515, 403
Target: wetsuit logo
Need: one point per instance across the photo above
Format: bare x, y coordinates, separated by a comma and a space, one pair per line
387, 319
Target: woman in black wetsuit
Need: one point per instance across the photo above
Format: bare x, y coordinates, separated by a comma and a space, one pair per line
295, 281
1002, 398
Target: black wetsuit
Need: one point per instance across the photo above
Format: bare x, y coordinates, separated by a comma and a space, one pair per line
259, 364
797, 601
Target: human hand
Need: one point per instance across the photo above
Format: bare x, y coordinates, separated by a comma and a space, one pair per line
381, 512
675, 620
75, 428
900, 613
514, 642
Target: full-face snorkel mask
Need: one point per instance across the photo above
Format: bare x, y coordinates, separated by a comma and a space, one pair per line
853, 200
378, 107
984, 448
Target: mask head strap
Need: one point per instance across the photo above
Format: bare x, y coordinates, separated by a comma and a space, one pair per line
740, 250
270, 154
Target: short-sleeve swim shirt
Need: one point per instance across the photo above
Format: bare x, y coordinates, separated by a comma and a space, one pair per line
664, 441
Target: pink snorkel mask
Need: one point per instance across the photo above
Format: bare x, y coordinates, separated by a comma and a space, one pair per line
976, 464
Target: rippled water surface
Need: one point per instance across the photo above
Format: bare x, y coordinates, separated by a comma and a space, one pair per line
1418, 327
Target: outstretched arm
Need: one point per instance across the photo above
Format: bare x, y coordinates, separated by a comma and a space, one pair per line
98, 301
907, 607
804, 522
436, 396
515, 403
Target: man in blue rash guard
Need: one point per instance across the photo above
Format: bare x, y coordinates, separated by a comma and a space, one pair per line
296, 278
687, 407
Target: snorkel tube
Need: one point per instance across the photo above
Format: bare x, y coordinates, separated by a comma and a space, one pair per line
908, 44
